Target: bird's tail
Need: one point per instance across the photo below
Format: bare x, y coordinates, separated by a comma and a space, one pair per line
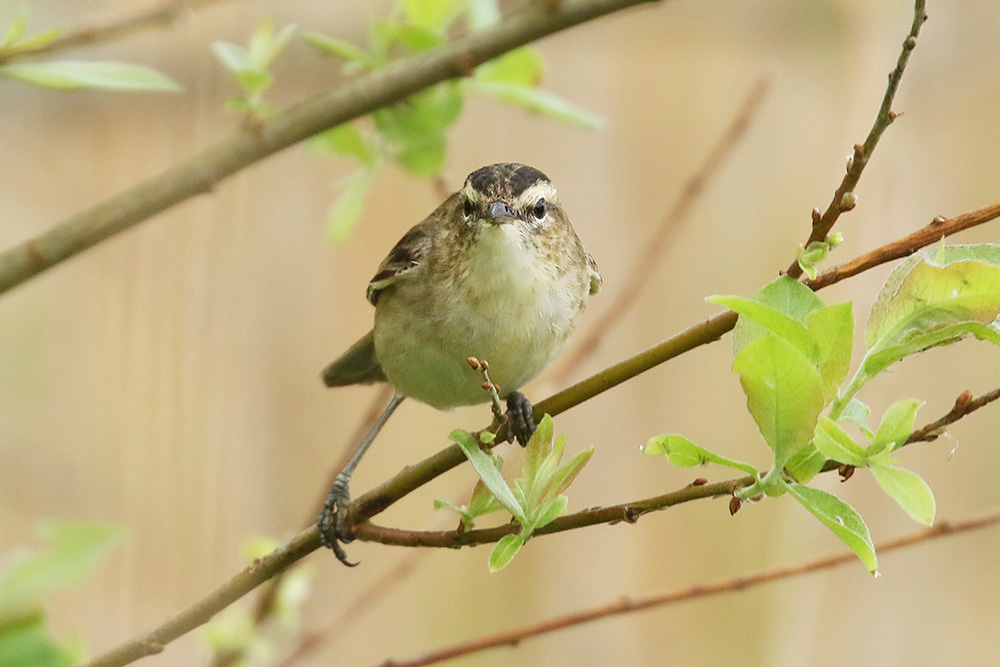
356, 366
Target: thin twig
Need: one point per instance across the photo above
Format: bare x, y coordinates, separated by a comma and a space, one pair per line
653, 251
412, 477
628, 605
844, 198
632, 511
165, 15
351, 99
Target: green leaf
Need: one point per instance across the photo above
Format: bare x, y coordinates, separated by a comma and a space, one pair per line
835, 443
537, 101
931, 297
550, 511
832, 329
483, 14
896, 426
685, 454
909, 490
538, 448
856, 412
771, 320
885, 354
565, 474
25, 642
339, 48
428, 112
839, 517
347, 208
489, 474
433, 14
75, 548
265, 45
35, 41
521, 67
416, 38
424, 157
805, 464
16, 27
784, 294
784, 393
343, 140
69, 74
504, 551
233, 56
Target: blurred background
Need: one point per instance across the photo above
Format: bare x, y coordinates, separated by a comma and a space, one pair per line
168, 379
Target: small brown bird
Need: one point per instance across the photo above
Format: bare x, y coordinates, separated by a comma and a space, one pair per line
496, 272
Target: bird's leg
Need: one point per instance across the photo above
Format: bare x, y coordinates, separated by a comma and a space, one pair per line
520, 421
332, 522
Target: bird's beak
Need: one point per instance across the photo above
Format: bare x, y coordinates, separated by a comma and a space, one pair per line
499, 213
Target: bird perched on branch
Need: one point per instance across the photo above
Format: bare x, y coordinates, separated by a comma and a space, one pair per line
495, 272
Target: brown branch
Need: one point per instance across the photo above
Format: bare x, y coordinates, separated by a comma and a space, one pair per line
964, 405
164, 15
627, 605
354, 98
630, 512
933, 232
844, 198
652, 254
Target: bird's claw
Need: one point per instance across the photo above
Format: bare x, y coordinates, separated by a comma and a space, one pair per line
332, 522
520, 421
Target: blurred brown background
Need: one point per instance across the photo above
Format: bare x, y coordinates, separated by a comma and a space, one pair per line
168, 379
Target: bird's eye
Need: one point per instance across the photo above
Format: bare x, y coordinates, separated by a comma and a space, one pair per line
467, 208
539, 209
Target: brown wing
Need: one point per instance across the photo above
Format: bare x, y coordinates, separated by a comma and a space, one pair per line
403, 258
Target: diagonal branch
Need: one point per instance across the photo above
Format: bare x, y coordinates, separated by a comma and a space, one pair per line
165, 14
735, 584
347, 101
844, 198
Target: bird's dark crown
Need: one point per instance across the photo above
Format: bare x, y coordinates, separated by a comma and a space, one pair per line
505, 181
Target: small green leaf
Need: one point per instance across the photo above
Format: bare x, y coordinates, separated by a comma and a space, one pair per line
784, 294
339, 48
809, 257
253, 80
433, 14
417, 38
909, 490
233, 56
550, 511
483, 464
424, 157
69, 74
504, 551
805, 464
685, 454
896, 426
565, 474
75, 548
25, 642
832, 329
16, 27
522, 67
857, 413
343, 140
835, 443
771, 320
784, 393
538, 448
265, 45
35, 41
839, 517
537, 101
347, 208
483, 14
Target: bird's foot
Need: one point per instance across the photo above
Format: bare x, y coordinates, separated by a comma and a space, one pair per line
520, 422
332, 523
